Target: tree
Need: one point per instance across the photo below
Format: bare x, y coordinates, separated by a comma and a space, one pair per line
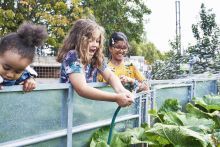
170, 68
57, 15
202, 57
120, 15
206, 33
146, 49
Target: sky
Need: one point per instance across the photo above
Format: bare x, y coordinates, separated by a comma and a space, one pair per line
161, 23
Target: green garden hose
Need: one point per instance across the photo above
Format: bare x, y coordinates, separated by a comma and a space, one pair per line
113, 121
112, 125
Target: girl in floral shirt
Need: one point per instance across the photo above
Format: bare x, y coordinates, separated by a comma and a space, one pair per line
82, 59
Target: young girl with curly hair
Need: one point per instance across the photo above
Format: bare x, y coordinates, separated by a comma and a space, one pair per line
17, 51
82, 59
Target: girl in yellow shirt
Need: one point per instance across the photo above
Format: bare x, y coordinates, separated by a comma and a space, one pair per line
129, 75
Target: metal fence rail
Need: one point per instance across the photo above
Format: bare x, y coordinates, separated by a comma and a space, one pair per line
53, 115
57, 129
182, 89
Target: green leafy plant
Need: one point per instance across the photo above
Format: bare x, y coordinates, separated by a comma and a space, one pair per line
195, 127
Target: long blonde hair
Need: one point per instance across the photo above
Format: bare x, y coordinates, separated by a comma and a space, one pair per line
78, 39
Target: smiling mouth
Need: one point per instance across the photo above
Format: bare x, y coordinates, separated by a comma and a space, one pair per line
121, 54
92, 51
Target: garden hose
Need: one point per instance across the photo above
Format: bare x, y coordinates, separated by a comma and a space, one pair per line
113, 120
113, 124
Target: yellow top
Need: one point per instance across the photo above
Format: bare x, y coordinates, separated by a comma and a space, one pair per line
128, 70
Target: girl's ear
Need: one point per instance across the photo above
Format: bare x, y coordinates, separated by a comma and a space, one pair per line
110, 49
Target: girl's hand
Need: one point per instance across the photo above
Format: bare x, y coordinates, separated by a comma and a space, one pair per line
124, 80
29, 85
124, 99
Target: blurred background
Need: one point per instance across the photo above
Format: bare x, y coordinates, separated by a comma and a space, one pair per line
169, 39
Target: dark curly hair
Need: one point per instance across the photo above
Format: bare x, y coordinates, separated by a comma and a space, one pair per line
25, 40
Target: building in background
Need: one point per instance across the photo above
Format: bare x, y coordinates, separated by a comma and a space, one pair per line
46, 67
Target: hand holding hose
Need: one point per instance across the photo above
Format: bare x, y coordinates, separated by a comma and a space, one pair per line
122, 103
124, 99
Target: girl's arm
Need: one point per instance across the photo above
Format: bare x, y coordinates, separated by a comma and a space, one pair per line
138, 82
142, 85
141, 82
83, 89
114, 81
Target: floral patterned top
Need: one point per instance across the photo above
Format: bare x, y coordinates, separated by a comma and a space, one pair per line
71, 64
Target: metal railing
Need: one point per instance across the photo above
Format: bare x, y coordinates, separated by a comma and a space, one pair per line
69, 116
67, 129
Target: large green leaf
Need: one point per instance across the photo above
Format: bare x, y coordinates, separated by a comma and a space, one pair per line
194, 128
190, 121
209, 102
215, 116
176, 135
99, 138
130, 136
120, 139
172, 119
196, 111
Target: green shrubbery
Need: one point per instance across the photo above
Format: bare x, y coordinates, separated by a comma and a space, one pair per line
199, 126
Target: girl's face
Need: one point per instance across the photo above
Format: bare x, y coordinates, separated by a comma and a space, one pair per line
12, 65
119, 50
94, 44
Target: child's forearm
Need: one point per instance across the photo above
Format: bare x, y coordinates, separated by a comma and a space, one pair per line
116, 84
96, 94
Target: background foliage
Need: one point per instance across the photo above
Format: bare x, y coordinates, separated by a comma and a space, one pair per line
201, 57
59, 15
56, 15
119, 15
